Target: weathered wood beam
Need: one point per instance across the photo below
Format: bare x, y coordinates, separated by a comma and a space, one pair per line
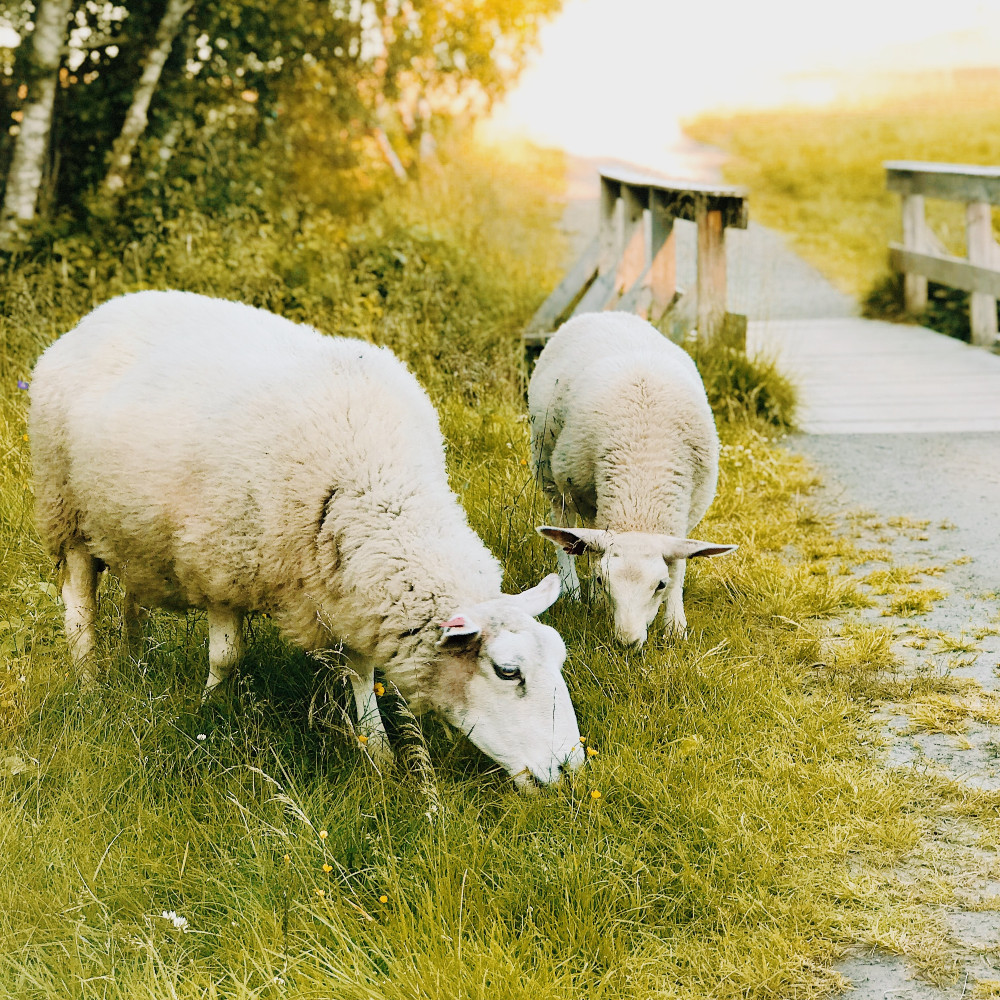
949, 181
633, 241
954, 271
914, 226
637, 296
663, 249
599, 295
562, 296
982, 252
711, 271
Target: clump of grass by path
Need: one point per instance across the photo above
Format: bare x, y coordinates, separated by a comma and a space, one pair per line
817, 175
733, 829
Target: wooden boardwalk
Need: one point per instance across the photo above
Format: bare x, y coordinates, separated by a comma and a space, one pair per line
854, 376
859, 376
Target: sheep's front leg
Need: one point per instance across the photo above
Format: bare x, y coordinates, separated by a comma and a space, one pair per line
562, 517
371, 729
79, 594
134, 619
673, 612
225, 646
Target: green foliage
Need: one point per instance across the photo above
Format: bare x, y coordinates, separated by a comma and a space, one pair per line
742, 818
254, 82
744, 388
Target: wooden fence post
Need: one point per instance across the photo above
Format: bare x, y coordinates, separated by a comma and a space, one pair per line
982, 251
914, 285
711, 271
633, 259
609, 226
663, 247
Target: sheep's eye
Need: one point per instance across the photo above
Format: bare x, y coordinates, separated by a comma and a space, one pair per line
507, 673
660, 586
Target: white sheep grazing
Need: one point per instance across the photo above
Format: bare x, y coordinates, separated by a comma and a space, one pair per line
216, 456
623, 437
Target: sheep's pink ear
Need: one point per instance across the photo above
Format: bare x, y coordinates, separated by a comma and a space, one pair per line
458, 633
691, 548
539, 598
575, 541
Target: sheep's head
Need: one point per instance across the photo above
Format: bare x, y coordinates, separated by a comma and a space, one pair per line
636, 569
500, 681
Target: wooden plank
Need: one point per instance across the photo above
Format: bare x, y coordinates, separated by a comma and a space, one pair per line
979, 239
682, 197
637, 296
663, 248
954, 271
609, 232
949, 181
711, 273
633, 239
561, 298
661, 182
599, 295
914, 225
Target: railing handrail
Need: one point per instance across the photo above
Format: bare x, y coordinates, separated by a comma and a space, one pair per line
946, 181
631, 263
921, 255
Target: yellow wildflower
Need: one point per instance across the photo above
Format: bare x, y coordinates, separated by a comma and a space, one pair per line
379, 689
583, 739
383, 899
323, 835
287, 858
362, 739
328, 868
25, 437
591, 752
595, 794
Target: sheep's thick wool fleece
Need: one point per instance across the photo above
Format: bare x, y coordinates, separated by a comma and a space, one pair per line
621, 424
212, 453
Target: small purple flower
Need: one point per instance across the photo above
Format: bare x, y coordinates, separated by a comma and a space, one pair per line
21, 384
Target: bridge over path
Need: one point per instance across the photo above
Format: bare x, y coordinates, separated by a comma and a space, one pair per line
903, 422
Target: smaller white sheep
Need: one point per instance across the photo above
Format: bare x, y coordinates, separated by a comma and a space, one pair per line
220, 457
622, 436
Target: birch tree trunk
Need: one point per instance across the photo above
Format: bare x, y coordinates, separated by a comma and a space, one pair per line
136, 119
24, 176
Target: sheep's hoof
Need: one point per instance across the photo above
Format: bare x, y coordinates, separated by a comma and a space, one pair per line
676, 629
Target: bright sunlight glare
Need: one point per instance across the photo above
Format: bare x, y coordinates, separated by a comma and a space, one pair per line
616, 77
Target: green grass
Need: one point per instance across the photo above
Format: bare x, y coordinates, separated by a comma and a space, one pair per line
817, 174
745, 829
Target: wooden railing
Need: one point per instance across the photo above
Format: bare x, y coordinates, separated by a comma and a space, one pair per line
921, 256
631, 264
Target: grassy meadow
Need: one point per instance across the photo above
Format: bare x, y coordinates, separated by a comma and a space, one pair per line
733, 830
816, 174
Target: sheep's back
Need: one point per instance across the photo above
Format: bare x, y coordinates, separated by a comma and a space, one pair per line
194, 442
609, 384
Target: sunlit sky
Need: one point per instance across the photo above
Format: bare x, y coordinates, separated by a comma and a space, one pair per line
613, 77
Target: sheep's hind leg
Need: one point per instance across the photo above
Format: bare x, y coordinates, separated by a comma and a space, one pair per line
371, 729
79, 594
225, 646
